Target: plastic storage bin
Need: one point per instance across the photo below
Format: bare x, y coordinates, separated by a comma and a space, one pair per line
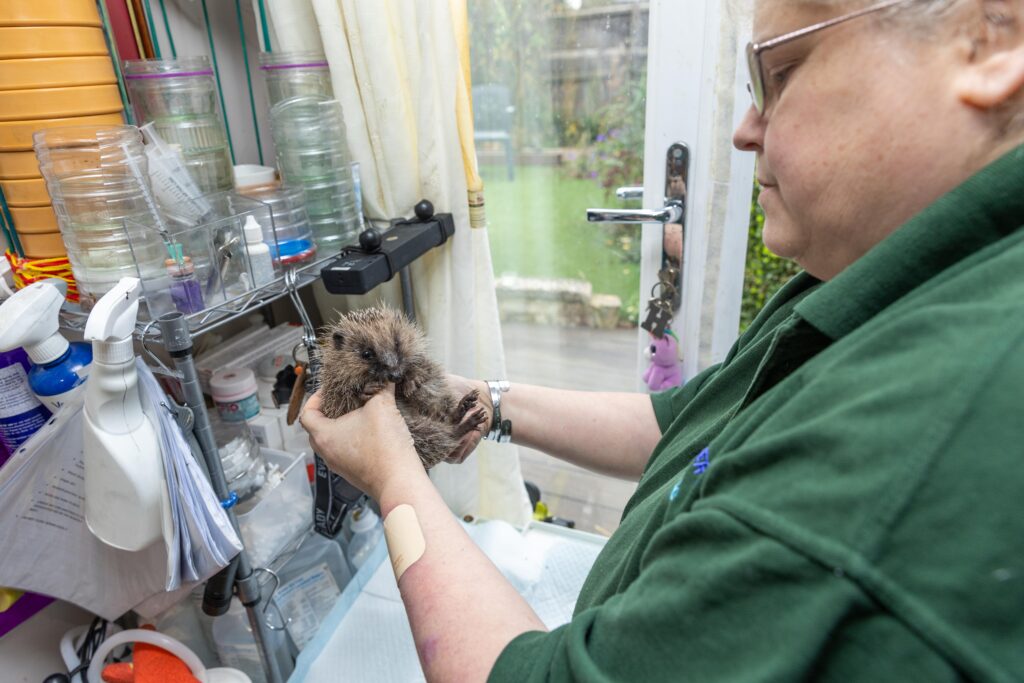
276, 515
209, 259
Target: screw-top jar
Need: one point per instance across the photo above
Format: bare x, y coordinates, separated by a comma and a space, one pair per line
293, 74
180, 97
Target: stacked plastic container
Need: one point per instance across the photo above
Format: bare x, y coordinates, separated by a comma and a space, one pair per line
312, 152
180, 97
295, 74
97, 177
55, 70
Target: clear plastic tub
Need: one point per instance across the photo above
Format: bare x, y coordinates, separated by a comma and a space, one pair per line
295, 74
295, 243
245, 467
171, 87
97, 177
327, 199
219, 262
210, 169
192, 133
279, 512
310, 165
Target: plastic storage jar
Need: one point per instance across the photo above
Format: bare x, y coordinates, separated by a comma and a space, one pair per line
293, 74
96, 177
180, 97
171, 87
245, 468
312, 153
234, 392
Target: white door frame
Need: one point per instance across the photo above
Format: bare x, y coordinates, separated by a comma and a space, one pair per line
696, 94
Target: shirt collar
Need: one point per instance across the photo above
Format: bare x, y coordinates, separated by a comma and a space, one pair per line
984, 209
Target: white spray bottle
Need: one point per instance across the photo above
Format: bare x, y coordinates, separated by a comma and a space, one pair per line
125, 490
31, 319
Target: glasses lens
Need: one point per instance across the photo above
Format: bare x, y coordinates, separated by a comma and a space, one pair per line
756, 86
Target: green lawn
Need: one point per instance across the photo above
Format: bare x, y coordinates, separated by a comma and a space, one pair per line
538, 228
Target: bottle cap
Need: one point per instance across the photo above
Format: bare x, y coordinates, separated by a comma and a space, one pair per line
253, 231
363, 519
30, 319
186, 267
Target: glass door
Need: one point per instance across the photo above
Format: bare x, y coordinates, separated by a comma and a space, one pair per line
562, 97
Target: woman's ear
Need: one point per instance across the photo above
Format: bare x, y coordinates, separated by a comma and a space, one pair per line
993, 79
993, 71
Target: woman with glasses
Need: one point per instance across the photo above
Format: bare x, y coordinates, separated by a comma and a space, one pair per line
840, 498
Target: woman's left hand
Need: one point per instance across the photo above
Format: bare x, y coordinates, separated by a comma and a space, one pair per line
370, 446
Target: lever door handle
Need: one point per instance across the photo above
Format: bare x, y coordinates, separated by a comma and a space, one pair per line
672, 212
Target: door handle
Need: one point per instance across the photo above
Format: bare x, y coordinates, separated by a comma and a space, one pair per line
672, 212
630, 193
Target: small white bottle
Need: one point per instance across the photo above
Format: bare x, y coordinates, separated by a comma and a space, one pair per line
366, 534
259, 253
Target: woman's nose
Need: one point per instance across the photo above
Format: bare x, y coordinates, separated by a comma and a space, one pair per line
749, 135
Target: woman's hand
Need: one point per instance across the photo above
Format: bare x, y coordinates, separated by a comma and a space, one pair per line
370, 447
462, 386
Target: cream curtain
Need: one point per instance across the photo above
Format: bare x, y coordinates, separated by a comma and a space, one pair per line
400, 70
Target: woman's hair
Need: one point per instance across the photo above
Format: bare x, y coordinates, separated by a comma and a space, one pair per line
921, 17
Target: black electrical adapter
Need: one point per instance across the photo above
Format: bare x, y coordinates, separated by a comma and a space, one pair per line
380, 256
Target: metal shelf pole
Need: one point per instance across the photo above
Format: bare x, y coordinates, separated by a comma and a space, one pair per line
177, 340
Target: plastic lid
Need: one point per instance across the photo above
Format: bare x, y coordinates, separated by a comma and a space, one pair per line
364, 519
253, 231
186, 266
232, 383
248, 175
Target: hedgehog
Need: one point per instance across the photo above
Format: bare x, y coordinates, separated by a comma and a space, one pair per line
366, 349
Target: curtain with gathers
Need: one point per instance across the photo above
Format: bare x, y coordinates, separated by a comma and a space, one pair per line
400, 69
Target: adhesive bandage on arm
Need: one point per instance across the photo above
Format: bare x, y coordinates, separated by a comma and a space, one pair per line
404, 538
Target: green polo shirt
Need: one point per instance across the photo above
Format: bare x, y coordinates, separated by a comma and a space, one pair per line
840, 499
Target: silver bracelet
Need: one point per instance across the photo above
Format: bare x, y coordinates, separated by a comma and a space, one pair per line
501, 430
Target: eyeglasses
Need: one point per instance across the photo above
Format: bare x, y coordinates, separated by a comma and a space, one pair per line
754, 50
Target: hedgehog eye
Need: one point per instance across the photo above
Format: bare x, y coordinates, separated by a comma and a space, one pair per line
368, 354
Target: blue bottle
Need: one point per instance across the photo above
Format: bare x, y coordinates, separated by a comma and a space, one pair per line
21, 413
31, 319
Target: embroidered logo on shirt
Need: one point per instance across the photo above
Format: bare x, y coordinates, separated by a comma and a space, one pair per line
699, 464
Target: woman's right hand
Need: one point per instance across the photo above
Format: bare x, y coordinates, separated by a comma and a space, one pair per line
461, 386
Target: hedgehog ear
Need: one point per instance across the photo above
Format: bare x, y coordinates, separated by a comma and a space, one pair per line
338, 340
